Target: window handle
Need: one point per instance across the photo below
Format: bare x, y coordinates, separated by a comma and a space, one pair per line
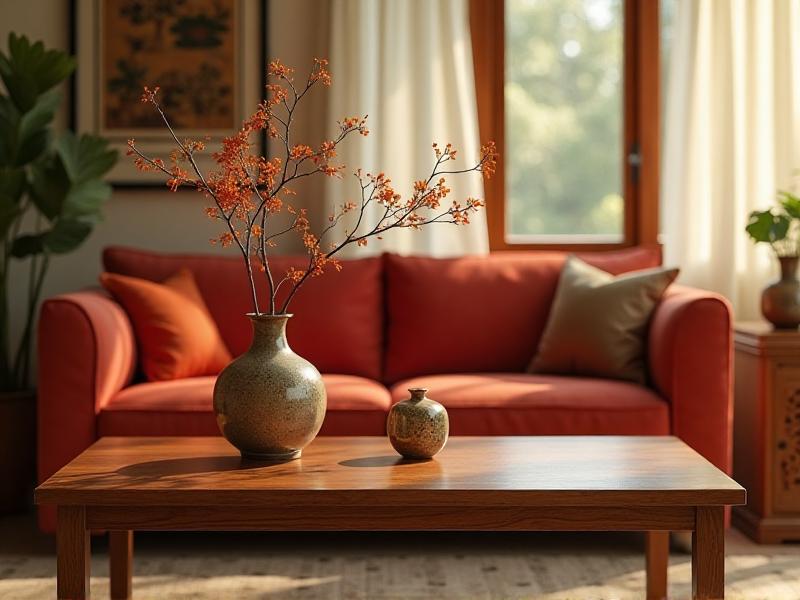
635, 162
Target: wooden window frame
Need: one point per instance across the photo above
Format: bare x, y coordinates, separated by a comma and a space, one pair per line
641, 122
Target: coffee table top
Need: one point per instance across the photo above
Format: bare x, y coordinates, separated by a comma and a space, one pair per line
470, 471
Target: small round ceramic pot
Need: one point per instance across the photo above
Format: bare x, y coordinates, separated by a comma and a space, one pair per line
417, 427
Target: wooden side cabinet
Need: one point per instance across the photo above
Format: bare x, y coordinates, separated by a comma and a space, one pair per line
766, 424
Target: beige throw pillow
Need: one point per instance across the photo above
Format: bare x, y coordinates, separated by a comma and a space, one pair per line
598, 322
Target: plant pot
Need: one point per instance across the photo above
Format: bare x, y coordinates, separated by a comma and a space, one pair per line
417, 427
269, 402
780, 302
17, 450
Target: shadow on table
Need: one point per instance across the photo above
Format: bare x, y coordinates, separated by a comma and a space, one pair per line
382, 461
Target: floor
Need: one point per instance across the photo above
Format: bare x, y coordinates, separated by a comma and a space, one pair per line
390, 566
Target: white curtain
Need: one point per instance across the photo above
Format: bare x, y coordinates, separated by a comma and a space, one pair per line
408, 65
731, 138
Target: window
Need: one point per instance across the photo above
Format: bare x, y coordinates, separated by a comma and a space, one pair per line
569, 90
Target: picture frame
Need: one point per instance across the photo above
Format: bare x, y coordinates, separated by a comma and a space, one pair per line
186, 48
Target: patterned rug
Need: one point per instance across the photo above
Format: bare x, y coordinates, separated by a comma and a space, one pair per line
391, 566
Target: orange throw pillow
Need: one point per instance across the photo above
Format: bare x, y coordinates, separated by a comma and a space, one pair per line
176, 335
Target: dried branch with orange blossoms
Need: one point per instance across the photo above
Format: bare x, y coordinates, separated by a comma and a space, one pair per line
247, 190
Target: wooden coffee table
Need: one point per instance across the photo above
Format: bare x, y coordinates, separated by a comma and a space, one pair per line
652, 484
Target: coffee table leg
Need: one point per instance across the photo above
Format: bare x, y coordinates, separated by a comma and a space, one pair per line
74, 553
708, 554
120, 554
657, 560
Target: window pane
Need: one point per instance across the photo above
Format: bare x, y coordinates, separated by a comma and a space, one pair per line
564, 130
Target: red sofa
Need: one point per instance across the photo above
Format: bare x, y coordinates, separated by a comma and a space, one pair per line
465, 328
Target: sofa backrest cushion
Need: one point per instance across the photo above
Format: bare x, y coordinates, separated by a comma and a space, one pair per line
177, 337
478, 313
338, 320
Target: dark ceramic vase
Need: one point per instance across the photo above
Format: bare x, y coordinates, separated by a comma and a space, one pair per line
780, 302
269, 402
417, 427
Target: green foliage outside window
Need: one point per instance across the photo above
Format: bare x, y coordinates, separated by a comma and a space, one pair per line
564, 94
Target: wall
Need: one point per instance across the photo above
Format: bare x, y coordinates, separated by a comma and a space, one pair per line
156, 219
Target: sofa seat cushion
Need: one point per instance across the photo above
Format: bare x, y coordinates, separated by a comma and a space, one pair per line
522, 404
356, 406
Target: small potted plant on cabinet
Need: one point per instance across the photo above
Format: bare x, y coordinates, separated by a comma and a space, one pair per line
780, 228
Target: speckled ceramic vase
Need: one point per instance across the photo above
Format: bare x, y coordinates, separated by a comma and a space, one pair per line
780, 302
269, 402
418, 427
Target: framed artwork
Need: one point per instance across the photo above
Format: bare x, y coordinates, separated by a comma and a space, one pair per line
207, 56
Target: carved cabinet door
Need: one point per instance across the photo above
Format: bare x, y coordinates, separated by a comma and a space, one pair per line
786, 439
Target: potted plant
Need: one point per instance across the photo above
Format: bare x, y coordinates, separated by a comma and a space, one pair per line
780, 228
270, 402
51, 194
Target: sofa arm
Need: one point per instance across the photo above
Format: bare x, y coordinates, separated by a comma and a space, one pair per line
86, 354
690, 360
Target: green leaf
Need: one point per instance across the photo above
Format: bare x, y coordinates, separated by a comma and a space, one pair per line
66, 235
790, 203
9, 120
85, 200
21, 89
29, 70
25, 137
34, 132
758, 225
27, 245
85, 157
780, 228
49, 186
12, 184
67, 184
764, 226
